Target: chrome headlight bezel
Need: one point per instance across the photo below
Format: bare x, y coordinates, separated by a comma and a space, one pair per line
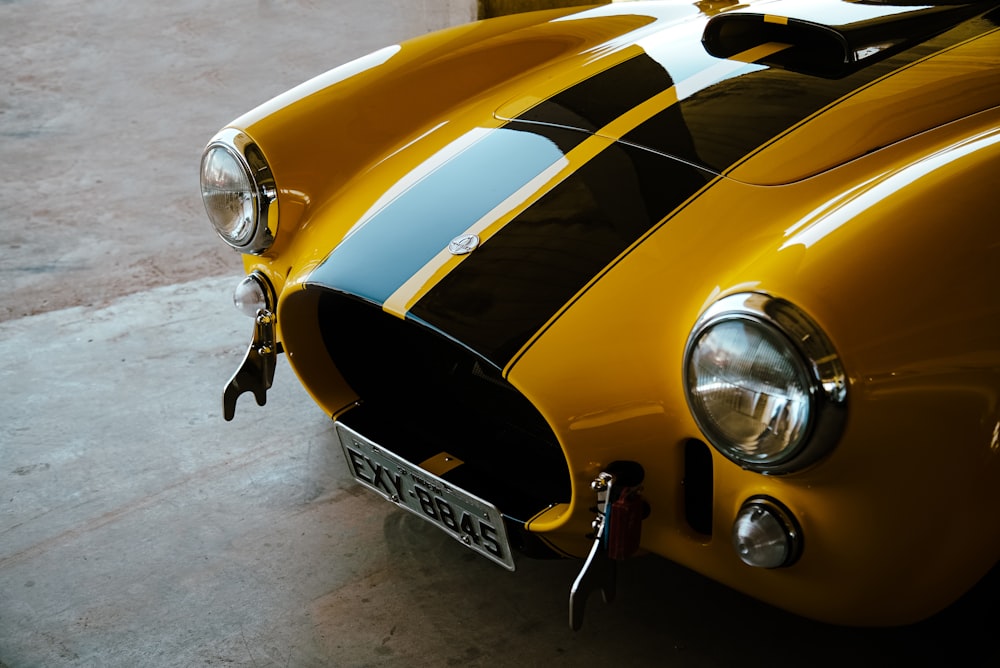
819, 369
261, 193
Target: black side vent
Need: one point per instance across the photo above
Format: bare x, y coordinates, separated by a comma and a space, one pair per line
699, 486
871, 32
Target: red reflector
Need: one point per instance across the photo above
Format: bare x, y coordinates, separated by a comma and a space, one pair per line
625, 524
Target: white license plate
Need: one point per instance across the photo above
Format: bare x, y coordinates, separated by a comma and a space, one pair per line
475, 523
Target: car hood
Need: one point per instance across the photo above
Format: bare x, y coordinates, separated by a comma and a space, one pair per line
808, 73
496, 233
486, 241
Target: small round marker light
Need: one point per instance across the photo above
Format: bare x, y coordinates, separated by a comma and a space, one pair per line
251, 295
765, 535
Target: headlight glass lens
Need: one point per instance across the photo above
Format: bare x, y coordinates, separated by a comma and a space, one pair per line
228, 193
749, 390
764, 383
766, 535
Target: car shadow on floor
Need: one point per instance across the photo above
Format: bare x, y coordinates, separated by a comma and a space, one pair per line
664, 614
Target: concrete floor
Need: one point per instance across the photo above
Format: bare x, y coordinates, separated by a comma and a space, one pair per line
137, 528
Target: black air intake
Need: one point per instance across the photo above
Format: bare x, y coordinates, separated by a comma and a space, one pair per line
870, 32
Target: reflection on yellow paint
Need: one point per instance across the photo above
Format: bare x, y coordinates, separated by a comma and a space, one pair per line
827, 218
615, 415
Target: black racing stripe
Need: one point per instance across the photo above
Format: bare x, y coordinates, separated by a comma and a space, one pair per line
593, 103
501, 295
397, 240
731, 119
728, 120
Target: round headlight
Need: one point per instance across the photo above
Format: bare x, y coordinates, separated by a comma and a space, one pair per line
238, 192
228, 194
764, 384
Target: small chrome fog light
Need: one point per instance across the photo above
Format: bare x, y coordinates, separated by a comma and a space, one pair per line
766, 535
253, 294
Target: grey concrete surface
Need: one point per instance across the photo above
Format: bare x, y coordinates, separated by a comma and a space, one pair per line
493, 8
137, 528
106, 105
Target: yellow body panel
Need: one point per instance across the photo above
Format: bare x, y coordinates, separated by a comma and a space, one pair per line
920, 456
874, 215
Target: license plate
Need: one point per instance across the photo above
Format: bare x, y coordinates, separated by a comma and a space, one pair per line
475, 523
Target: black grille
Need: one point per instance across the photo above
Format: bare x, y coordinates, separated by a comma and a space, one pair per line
422, 394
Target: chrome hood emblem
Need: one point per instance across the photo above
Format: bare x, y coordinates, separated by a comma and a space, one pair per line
463, 245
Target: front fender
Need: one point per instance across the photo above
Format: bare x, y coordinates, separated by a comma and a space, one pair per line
330, 132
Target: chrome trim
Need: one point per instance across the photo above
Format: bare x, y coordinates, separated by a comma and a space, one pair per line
463, 245
829, 381
265, 193
599, 572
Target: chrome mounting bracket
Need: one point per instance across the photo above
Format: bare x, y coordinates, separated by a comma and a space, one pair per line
599, 572
617, 534
256, 372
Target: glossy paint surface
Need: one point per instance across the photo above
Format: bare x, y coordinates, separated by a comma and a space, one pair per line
919, 454
635, 100
620, 180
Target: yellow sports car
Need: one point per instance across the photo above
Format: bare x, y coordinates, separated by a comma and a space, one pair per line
708, 280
